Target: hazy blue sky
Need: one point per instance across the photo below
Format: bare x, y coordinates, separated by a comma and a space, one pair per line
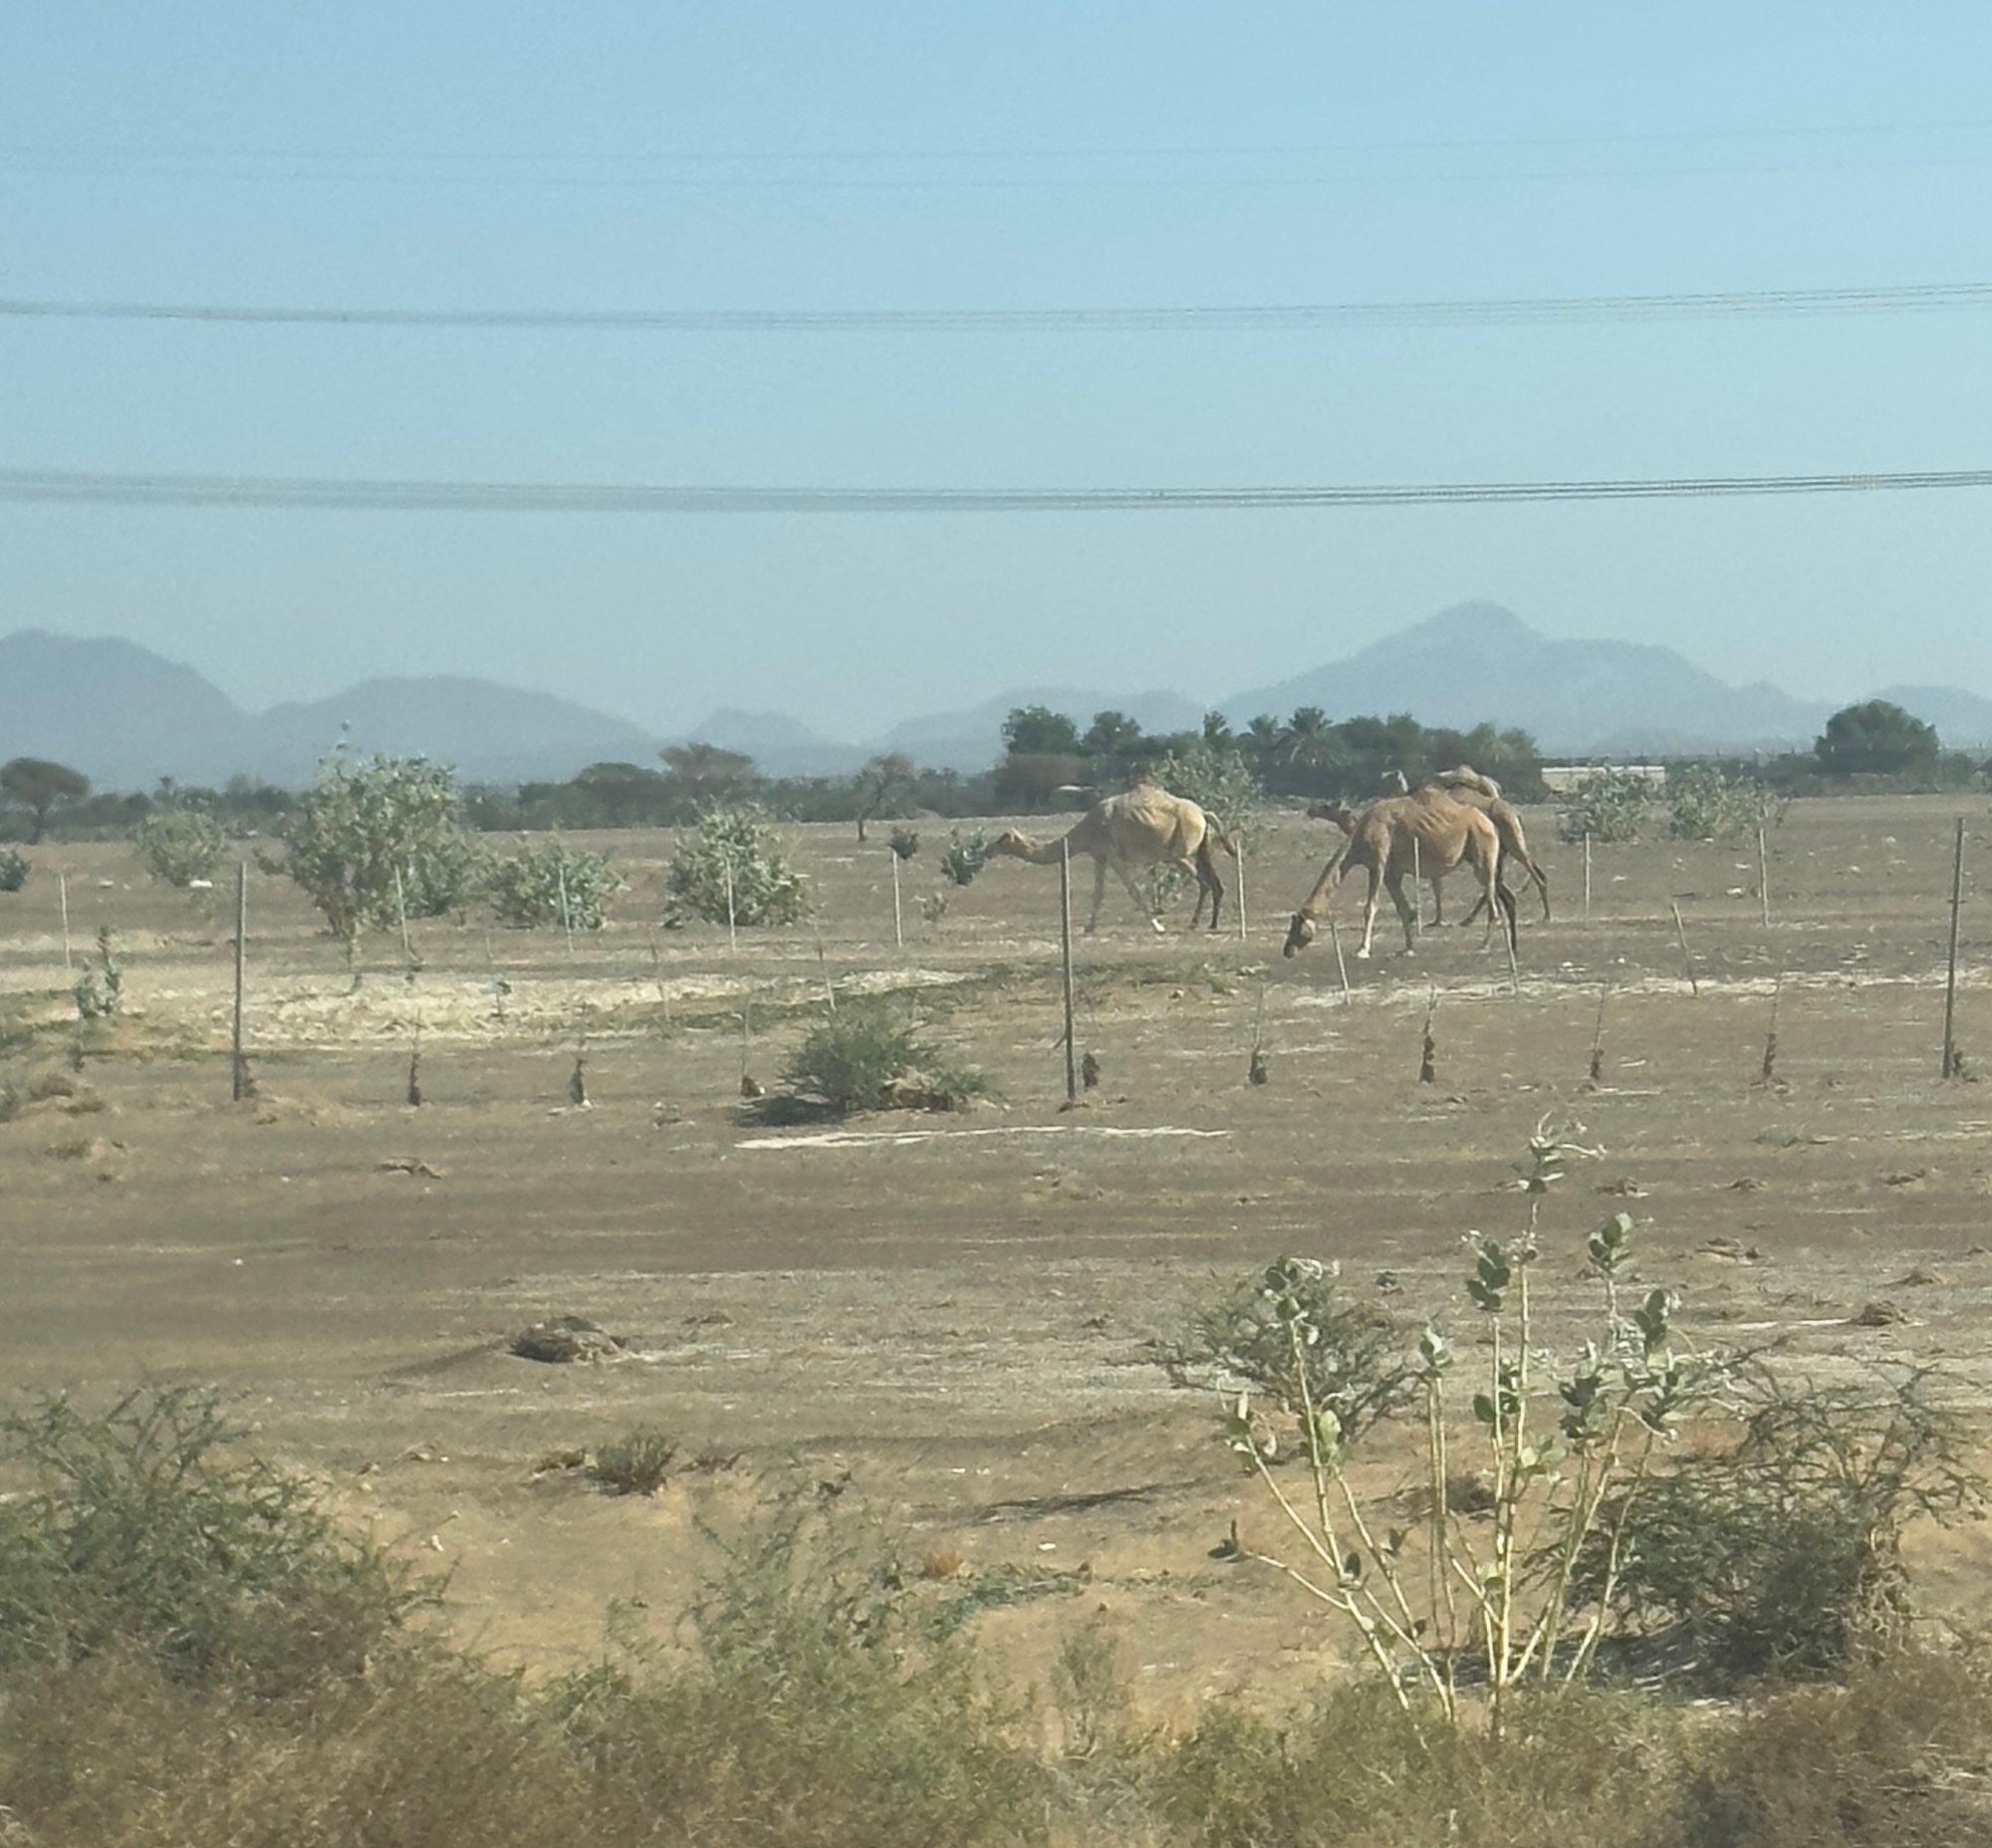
1032, 155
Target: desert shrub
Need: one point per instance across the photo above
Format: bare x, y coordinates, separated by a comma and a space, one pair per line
731, 869
1779, 1550
1612, 805
554, 883
639, 1462
1235, 1336
181, 844
814, 1712
371, 838
1705, 805
962, 859
905, 841
99, 990
13, 869
149, 1529
864, 1057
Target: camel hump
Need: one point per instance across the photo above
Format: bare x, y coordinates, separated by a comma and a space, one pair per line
1464, 776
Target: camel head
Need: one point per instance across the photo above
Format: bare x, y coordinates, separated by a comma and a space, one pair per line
1340, 813
1300, 933
1009, 842
1394, 784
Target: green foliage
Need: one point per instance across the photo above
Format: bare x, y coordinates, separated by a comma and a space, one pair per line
905, 841
1779, 1550
1705, 805
864, 1057
1038, 732
1877, 737
962, 859
99, 990
148, 1530
554, 883
41, 787
365, 829
730, 869
1611, 805
13, 869
1239, 1336
181, 842
637, 1463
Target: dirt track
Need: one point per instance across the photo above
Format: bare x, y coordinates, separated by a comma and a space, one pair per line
955, 1308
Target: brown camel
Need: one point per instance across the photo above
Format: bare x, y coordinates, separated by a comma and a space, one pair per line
1427, 830
1466, 784
1145, 827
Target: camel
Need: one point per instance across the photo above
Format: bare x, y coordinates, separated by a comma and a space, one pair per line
1145, 827
1448, 834
1466, 784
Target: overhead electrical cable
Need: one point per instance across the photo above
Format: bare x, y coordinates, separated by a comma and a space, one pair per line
154, 490
1502, 311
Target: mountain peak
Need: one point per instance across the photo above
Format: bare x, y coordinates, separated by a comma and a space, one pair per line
1479, 622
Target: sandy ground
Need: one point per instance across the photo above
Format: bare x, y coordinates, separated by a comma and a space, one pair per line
958, 1310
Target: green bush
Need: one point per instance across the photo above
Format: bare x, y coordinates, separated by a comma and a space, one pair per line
864, 1058
1220, 782
13, 869
99, 990
637, 1463
371, 838
905, 841
148, 1530
1610, 805
181, 844
730, 869
554, 883
1779, 1551
1705, 805
962, 859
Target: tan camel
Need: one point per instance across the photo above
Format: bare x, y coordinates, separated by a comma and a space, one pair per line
1145, 827
1466, 784
1428, 831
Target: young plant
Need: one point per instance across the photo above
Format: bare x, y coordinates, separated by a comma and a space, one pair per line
181, 844
99, 990
554, 883
1565, 1449
731, 870
962, 859
1611, 805
13, 869
905, 841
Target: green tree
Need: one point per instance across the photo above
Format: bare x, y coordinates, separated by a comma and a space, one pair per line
371, 838
41, 787
883, 780
1877, 737
1111, 734
1038, 732
182, 841
712, 772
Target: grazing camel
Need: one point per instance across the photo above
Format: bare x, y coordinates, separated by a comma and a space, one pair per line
1145, 827
1465, 784
1446, 833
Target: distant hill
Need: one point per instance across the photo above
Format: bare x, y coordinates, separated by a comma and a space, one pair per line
1478, 661
1963, 720
778, 744
972, 739
126, 716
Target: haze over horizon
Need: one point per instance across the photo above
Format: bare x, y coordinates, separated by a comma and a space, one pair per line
766, 160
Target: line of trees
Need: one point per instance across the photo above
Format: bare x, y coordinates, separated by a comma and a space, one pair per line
1048, 761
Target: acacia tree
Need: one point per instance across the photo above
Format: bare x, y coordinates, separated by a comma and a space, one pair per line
41, 787
1875, 736
880, 782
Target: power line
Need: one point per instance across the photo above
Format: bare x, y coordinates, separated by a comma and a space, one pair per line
1234, 318
150, 491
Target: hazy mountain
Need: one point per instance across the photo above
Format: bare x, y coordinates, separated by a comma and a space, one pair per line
974, 739
489, 733
117, 713
1479, 662
126, 716
778, 744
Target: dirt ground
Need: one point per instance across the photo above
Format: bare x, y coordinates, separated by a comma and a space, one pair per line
955, 1310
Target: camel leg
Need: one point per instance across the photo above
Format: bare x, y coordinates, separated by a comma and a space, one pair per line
1209, 886
1405, 914
1099, 893
1135, 893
